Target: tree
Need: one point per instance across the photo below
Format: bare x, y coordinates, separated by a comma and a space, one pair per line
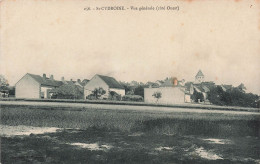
130, 92
67, 91
197, 96
98, 92
3, 81
4, 86
157, 95
241, 87
114, 96
126, 86
235, 96
215, 95
139, 91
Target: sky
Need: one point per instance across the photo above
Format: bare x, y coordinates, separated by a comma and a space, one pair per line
59, 37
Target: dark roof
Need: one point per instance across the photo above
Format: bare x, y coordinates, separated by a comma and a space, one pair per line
47, 81
208, 83
188, 85
199, 73
202, 87
152, 84
170, 83
84, 82
226, 87
111, 82
69, 82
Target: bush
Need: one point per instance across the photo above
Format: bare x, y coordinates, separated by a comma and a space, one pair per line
114, 96
67, 91
91, 97
157, 95
132, 98
98, 92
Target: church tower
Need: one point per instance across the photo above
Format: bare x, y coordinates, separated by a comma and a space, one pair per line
199, 77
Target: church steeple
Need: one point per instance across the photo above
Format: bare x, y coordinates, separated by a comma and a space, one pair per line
199, 77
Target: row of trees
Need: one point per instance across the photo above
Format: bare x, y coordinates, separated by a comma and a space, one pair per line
235, 96
97, 94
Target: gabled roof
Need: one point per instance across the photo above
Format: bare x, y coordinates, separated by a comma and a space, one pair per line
111, 82
159, 82
199, 73
188, 85
47, 81
208, 83
205, 88
202, 87
84, 82
226, 87
69, 82
198, 88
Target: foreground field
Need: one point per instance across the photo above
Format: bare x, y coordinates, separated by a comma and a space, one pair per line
127, 136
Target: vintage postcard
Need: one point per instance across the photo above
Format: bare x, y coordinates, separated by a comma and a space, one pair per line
137, 81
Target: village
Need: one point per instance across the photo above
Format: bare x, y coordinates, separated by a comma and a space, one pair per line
171, 90
105, 120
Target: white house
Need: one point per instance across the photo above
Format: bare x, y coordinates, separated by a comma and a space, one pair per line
107, 83
35, 86
171, 93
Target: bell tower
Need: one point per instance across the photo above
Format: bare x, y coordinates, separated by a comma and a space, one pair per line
199, 77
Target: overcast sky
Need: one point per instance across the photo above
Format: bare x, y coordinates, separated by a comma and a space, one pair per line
222, 38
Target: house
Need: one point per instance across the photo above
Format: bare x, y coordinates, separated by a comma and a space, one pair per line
199, 85
171, 93
35, 86
107, 83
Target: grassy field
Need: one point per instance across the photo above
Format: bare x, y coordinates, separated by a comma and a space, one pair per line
124, 136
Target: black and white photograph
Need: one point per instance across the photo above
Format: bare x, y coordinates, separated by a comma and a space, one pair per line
130, 81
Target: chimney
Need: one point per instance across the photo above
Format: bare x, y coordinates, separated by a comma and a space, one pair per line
62, 78
175, 82
44, 76
51, 77
78, 80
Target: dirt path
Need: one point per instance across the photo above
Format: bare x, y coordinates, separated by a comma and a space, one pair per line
121, 107
8, 131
